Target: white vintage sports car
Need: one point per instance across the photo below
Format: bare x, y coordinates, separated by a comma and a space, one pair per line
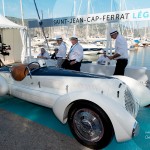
96, 107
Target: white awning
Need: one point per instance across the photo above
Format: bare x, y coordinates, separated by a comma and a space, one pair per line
6, 23
10, 35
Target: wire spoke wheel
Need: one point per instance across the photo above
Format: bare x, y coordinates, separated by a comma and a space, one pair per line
88, 125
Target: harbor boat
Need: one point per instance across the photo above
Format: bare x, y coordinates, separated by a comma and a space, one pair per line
133, 47
37, 41
90, 49
145, 42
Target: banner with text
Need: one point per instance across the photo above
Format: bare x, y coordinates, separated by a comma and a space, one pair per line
121, 16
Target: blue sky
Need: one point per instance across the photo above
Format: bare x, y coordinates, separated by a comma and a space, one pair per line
61, 8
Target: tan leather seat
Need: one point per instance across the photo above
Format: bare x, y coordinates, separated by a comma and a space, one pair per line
19, 72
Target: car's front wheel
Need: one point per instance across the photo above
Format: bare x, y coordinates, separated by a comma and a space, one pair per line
90, 125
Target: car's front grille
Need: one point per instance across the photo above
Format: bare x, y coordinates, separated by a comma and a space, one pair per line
131, 104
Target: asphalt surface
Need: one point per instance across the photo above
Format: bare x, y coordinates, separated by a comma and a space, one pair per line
18, 133
27, 126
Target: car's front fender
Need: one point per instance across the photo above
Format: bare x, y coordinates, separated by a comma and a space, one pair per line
122, 121
140, 92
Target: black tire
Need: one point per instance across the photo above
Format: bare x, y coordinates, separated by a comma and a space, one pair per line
83, 127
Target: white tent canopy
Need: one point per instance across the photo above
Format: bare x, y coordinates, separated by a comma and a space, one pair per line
6, 23
14, 35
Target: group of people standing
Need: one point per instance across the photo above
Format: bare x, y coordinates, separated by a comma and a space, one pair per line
73, 59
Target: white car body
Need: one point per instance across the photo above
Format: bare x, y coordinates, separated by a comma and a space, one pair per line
59, 89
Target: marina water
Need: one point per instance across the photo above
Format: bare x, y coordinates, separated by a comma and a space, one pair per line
139, 57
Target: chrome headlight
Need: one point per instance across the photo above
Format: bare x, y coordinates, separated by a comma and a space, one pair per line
136, 129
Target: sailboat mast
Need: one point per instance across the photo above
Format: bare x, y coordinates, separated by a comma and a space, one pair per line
111, 7
49, 29
74, 27
3, 5
21, 8
88, 11
79, 7
96, 24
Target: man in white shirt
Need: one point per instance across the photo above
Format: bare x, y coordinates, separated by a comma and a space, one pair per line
75, 55
62, 49
103, 59
44, 54
121, 52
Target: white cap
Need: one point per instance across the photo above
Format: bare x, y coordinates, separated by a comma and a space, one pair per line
74, 37
58, 37
113, 31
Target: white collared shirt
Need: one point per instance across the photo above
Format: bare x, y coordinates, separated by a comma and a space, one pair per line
102, 60
46, 54
76, 53
62, 49
121, 47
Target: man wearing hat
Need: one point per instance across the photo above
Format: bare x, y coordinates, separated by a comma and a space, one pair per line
61, 54
43, 54
55, 53
121, 52
103, 59
75, 55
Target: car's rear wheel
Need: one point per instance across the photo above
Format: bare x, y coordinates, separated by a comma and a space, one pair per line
90, 125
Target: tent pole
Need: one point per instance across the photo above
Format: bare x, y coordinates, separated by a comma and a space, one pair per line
107, 37
109, 41
26, 43
29, 43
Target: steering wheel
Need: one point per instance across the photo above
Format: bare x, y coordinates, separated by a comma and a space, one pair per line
36, 63
29, 68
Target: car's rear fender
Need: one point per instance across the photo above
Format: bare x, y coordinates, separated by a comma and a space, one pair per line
4, 88
122, 121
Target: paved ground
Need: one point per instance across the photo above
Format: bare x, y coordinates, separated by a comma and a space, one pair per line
17, 133
33, 127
